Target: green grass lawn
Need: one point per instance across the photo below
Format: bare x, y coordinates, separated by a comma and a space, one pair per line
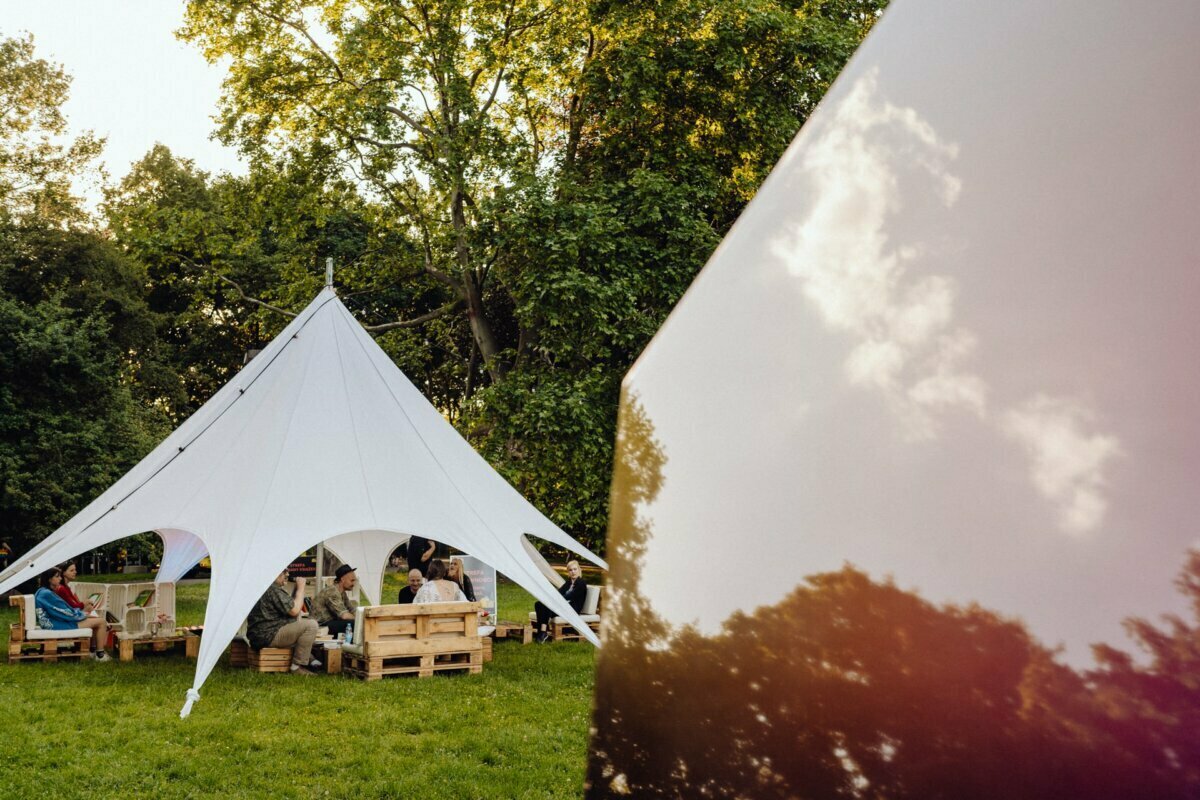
102, 730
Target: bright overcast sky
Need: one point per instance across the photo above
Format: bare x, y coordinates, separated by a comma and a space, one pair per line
134, 82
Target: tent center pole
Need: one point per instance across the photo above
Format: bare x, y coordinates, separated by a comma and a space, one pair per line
320, 567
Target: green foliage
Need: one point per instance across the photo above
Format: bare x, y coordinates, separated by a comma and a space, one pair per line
71, 421
36, 168
549, 432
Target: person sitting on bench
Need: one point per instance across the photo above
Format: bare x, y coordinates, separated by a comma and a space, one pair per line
457, 572
409, 592
53, 613
275, 621
69, 572
574, 591
438, 588
333, 608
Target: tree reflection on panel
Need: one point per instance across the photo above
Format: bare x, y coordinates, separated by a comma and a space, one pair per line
854, 688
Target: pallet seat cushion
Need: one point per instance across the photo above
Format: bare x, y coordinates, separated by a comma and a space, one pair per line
33, 632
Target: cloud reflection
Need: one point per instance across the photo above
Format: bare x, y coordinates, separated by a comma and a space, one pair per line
906, 342
1066, 462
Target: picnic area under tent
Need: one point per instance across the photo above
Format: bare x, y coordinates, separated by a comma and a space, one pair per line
320, 438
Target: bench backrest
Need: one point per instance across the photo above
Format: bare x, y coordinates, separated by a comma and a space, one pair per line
392, 626
592, 602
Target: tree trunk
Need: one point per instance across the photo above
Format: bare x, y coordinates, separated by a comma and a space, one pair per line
473, 291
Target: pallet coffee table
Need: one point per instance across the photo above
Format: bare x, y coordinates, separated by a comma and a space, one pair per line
510, 630
126, 644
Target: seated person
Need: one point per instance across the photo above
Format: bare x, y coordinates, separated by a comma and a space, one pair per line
275, 622
574, 591
66, 593
333, 608
437, 588
53, 613
458, 574
409, 592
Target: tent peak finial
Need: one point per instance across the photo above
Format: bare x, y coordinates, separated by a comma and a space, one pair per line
328, 272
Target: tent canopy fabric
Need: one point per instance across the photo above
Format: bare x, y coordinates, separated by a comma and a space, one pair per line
319, 438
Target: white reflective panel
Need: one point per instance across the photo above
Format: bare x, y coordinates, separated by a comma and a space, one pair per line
952, 341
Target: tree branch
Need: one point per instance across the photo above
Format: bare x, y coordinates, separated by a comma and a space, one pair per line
410, 121
386, 145
255, 300
495, 88
415, 321
303, 31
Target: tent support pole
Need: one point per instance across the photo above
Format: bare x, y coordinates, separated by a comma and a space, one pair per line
320, 567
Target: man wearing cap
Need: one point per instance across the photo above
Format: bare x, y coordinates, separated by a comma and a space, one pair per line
333, 608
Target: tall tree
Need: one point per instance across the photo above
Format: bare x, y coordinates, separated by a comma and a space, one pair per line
411, 96
36, 164
565, 169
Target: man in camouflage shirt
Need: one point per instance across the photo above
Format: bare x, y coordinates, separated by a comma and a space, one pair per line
275, 621
333, 608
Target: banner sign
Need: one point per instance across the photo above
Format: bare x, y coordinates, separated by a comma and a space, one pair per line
483, 581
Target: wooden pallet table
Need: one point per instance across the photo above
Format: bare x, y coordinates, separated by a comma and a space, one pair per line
268, 659
510, 630
126, 644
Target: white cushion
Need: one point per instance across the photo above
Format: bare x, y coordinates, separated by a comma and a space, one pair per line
592, 601
32, 631
486, 630
73, 633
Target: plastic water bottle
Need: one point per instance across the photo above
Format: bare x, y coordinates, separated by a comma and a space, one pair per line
350, 633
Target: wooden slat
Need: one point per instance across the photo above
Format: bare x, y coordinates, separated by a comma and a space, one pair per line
383, 628
416, 647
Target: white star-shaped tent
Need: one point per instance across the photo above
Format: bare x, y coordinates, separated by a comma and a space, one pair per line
319, 438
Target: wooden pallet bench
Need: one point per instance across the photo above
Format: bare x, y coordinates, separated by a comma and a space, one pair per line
414, 640
421, 666
563, 631
26, 642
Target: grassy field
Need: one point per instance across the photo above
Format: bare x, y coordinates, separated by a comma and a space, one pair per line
102, 730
